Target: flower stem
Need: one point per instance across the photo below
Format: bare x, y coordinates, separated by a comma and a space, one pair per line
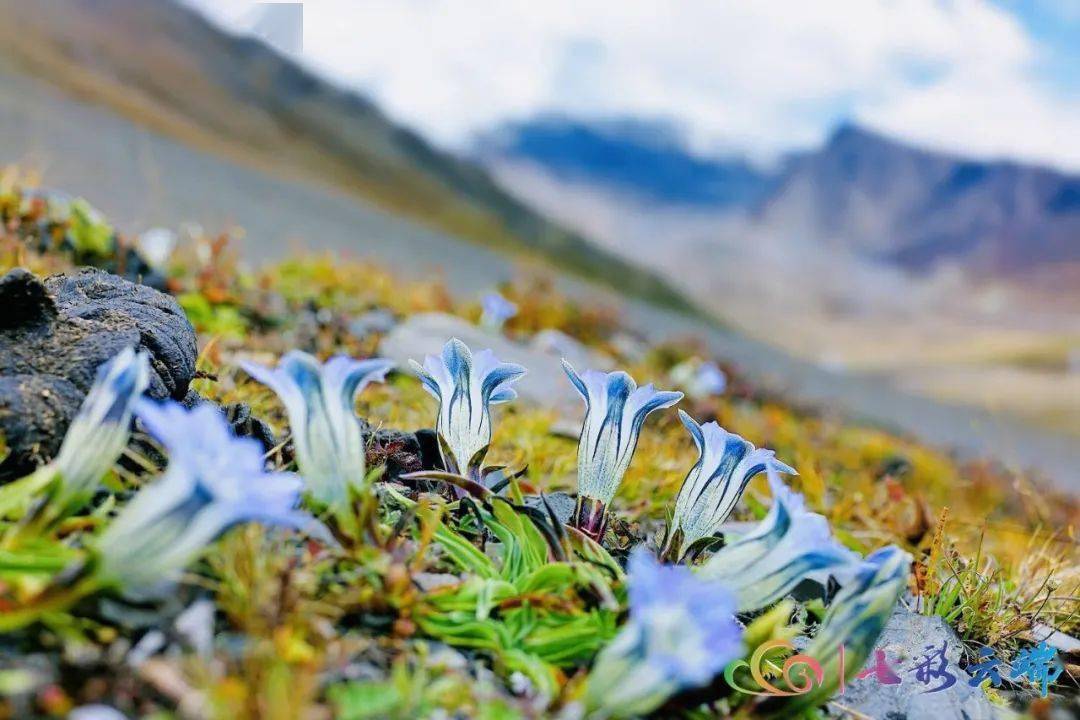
590, 517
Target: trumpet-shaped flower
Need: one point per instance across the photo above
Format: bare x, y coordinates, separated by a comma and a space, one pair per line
681, 633
101, 428
852, 625
320, 400
214, 480
466, 387
615, 410
496, 311
725, 464
790, 545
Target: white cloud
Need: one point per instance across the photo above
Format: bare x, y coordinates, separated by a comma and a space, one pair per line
760, 76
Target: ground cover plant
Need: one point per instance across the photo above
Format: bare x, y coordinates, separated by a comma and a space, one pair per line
164, 565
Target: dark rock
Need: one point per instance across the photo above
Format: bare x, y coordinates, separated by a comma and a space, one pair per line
120, 305
560, 503
401, 451
430, 453
31, 407
398, 450
244, 424
56, 333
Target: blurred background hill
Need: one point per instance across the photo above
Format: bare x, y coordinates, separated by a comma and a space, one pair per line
168, 69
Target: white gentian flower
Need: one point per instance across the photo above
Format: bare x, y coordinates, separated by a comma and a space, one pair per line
466, 387
851, 627
790, 545
100, 431
615, 410
681, 633
320, 400
699, 379
496, 311
725, 464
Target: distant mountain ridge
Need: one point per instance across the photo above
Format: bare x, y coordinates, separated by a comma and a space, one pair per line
166, 67
861, 191
644, 159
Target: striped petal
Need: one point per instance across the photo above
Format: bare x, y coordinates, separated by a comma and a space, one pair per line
466, 387
100, 431
214, 480
615, 411
725, 464
320, 399
787, 547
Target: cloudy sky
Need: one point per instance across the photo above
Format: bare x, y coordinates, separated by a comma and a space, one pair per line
982, 77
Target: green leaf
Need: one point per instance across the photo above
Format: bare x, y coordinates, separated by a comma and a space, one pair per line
466, 555
359, 700
15, 497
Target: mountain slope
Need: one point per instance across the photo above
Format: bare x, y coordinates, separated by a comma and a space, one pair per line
915, 208
861, 193
167, 68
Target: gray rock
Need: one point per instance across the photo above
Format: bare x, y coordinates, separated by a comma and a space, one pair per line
905, 641
561, 504
564, 347
425, 334
1041, 632
120, 306
56, 333
379, 320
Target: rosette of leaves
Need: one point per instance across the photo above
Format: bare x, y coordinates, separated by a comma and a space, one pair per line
534, 595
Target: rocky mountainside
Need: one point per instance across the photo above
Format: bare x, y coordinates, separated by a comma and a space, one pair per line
915, 208
860, 193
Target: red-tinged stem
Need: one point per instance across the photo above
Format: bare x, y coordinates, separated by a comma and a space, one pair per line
590, 517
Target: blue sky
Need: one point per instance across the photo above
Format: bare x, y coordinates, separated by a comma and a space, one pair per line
1055, 25
986, 78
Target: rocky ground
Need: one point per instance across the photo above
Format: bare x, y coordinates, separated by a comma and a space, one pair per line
265, 625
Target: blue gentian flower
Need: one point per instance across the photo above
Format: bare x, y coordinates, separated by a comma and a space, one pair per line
681, 633
790, 545
852, 625
615, 411
710, 379
100, 430
496, 311
699, 379
214, 480
320, 400
725, 464
466, 387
